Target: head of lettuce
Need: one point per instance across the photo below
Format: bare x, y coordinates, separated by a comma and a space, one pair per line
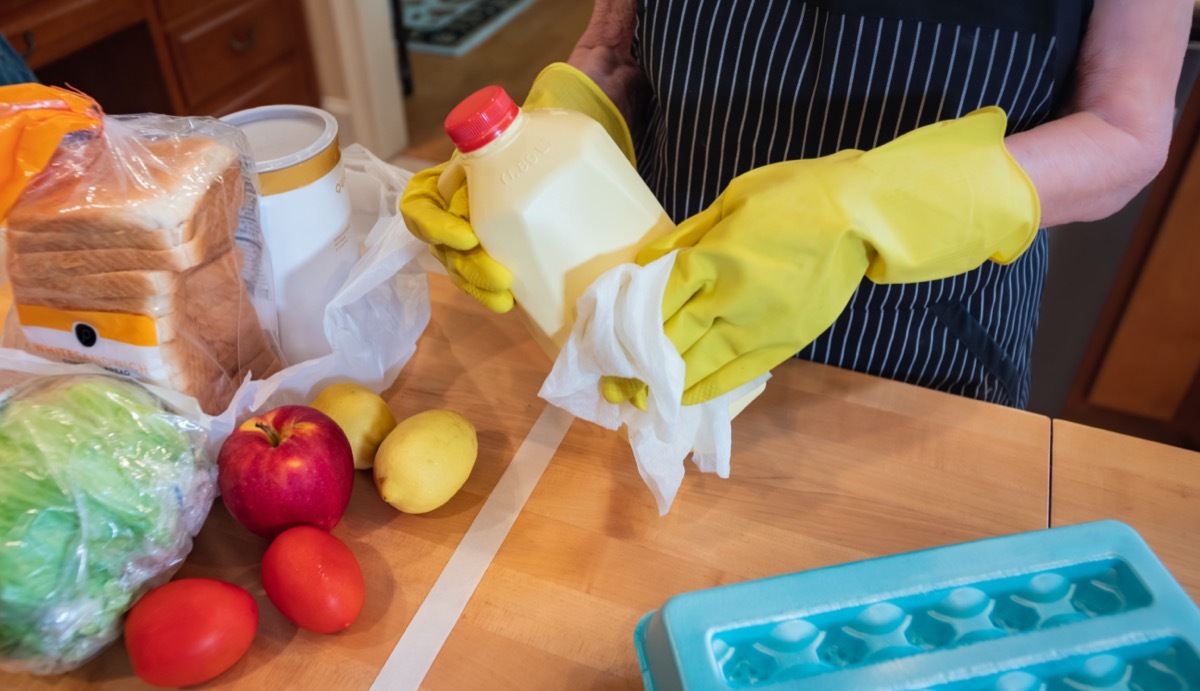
102, 488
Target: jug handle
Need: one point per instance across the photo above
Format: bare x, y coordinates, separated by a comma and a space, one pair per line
451, 179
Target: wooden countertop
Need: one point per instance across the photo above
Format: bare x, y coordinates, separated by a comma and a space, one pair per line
1153, 487
828, 466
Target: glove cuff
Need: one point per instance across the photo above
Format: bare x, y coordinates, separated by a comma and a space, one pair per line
1023, 190
560, 85
950, 194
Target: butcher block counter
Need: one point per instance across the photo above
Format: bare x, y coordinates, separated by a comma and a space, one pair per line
1152, 487
828, 466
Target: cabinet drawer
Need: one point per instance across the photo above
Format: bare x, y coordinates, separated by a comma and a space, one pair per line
284, 82
49, 30
173, 10
234, 45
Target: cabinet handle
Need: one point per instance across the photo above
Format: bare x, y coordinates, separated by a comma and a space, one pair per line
27, 36
243, 42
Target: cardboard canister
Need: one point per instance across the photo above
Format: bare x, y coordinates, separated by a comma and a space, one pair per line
305, 216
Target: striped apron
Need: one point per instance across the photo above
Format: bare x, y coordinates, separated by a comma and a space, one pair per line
738, 84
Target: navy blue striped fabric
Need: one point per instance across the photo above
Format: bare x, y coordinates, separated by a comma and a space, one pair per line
738, 84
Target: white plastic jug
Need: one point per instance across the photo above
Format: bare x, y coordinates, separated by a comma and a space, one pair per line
553, 199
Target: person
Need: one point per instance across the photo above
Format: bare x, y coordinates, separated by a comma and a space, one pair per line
860, 182
13, 69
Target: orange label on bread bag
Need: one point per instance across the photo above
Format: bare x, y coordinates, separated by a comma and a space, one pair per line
128, 344
132, 329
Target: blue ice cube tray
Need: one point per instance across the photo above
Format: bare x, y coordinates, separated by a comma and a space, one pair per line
1084, 607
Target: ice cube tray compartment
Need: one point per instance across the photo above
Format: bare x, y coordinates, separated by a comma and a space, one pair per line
840, 639
1160, 665
1083, 607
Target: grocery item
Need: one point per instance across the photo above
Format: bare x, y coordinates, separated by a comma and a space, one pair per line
305, 210
1082, 607
146, 274
426, 460
102, 488
289, 466
185, 193
314, 579
435, 208
189, 631
362, 414
553, 199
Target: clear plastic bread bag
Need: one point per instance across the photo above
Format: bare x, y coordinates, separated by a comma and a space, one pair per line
138, 248
172, 282
104, 482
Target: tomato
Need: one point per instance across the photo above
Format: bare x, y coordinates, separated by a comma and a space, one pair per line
189, 631
314, 579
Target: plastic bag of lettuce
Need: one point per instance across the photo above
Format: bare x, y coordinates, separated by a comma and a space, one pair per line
103, 485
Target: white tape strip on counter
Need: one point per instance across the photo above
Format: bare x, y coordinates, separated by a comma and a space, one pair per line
421, 642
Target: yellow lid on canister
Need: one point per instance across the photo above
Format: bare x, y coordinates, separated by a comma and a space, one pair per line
293, 145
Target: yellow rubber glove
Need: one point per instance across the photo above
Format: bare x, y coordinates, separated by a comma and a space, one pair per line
774, 260
435, 205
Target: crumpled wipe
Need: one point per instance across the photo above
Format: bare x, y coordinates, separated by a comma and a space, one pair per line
618, 331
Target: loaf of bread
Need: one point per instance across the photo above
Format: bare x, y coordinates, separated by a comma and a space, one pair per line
129, 262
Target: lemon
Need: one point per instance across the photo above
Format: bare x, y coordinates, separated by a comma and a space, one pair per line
425, 460
361, 413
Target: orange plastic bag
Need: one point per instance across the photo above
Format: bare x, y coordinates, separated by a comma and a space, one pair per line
33, 120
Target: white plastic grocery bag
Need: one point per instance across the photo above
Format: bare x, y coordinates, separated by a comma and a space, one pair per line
374, 320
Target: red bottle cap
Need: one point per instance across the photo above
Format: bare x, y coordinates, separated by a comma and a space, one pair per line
480, 118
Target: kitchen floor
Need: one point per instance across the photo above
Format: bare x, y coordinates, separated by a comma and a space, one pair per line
544, 33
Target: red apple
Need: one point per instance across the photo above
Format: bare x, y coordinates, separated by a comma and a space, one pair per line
289, 466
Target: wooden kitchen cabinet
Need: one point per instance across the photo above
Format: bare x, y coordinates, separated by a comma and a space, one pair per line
1141, 373
182, 57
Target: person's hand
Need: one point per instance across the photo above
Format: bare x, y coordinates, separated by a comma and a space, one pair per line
435, 204
775, 259
435, 209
